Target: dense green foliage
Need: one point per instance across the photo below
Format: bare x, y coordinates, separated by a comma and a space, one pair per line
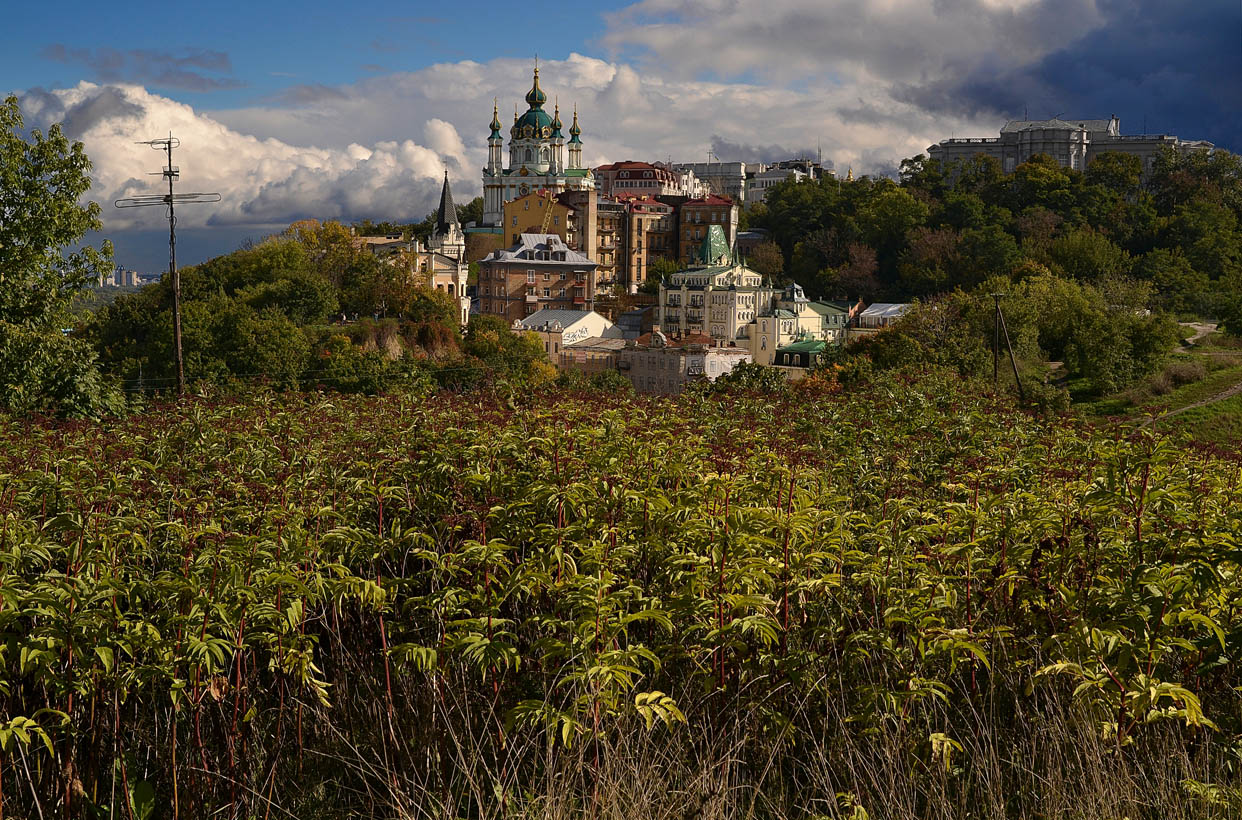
274, 312
942, 228
1101, 332
907, 601
43, 264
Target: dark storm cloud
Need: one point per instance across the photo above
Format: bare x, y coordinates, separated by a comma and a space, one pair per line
77, 119
1176, 66
729, 151
188, 70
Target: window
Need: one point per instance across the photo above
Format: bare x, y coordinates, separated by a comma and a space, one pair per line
515, 220
556, 220
526, 205
530, 277
529, 155
547, 293
547, 277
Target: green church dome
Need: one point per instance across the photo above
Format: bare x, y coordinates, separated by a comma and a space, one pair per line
535, 123
535, 97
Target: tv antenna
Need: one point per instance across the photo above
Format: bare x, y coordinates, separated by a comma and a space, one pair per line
170, 200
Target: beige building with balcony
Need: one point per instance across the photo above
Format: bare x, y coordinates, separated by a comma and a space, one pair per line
718, 298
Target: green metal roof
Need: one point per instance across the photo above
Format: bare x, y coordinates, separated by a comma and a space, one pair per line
537, 119
803, 346
823, 308
715, 247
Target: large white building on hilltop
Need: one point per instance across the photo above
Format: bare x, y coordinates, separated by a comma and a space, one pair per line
540, 158
1072, 143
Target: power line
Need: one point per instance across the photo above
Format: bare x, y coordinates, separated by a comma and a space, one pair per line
171, 173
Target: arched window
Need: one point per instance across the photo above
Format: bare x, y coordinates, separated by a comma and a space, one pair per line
529, 155
450, 290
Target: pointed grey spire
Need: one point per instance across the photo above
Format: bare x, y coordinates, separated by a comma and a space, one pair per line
446, 216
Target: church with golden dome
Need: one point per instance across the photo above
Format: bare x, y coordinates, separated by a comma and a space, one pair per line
540, 158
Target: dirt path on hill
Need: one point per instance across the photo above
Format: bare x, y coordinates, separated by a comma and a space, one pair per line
1221, 396
1201, 329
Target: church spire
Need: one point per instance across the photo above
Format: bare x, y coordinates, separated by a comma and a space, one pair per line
446, 216
495, 124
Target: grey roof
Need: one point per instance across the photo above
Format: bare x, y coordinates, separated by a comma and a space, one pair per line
890, 310
1014, 126
547, 316
596, 343
446, 215
530, 245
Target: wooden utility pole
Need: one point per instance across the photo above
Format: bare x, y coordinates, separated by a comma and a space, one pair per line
998, 327
170, 200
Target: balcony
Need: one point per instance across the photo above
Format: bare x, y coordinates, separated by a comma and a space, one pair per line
532, 298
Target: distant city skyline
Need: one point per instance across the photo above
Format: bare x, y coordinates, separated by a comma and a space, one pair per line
308, 111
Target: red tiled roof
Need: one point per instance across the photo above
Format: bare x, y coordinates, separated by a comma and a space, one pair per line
710, 199
628, 165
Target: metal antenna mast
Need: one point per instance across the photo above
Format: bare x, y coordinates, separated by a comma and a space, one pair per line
170, 200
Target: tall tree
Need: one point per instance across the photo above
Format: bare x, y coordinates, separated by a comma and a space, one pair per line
42, 265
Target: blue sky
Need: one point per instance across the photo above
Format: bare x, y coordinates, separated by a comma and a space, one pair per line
310, 109
273, 45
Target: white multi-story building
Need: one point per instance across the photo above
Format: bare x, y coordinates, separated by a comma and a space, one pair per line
758, 185
539, 157
720, 178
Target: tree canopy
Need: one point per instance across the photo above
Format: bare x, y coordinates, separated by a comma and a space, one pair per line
43, 263
942, 227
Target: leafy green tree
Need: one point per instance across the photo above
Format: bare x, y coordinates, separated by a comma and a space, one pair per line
266, 345
750, 377
509, 356
43, 263
1041, 181
1180, 288
1118, 172
986, 251
931, 260
924, 174
766, 258
1209, 232
887, 217
472, 211
1085, 254
658, 273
